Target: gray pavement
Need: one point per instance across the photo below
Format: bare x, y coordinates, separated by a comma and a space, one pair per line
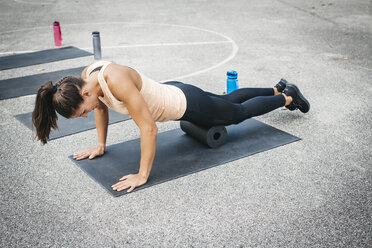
311, 193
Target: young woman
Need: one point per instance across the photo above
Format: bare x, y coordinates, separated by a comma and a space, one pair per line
106, 85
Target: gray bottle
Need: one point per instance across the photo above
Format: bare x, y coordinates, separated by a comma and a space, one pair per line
97, 45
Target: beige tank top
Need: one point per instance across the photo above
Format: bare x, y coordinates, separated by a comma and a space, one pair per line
165, 102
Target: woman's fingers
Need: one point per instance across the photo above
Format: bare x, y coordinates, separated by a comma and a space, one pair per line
95, 154
120, 186
123, 187
124, 177
91, 156
91, 153
115, 185
131, 188
81, 155
78, 154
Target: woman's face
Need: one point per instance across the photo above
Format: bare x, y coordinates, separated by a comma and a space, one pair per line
90, 102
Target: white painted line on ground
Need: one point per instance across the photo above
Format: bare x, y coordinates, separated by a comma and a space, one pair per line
37, 3
135, 45
227, 40
163, 44
16, 52
231, 56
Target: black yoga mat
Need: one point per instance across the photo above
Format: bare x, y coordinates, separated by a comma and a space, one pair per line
40, 57
177, 154
21, 86
71, 126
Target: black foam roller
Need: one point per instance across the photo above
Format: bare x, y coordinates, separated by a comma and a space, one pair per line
213, 136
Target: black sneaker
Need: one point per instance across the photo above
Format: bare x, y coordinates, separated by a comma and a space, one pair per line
299, 101
281, 85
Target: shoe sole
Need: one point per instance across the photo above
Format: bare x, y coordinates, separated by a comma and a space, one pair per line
291, 108
302, 98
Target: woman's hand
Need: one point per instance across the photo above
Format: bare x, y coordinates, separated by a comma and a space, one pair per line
129, 181
91, 152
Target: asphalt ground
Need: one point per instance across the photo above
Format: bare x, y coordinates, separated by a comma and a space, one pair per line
311, 193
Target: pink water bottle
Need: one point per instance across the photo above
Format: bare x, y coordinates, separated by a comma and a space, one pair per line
57, 34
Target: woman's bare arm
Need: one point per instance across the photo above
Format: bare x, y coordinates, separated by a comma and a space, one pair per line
125, 89
101, 117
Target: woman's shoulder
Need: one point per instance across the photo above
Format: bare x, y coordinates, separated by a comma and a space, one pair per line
116, 70
120, 75
93, 66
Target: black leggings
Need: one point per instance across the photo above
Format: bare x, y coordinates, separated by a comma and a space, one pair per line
207, 109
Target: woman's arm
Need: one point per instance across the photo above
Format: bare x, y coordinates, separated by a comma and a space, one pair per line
124, 88
101, 118
140, 113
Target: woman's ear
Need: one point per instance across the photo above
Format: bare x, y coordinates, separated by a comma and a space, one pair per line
85, 92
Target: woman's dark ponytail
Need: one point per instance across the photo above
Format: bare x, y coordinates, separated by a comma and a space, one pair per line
64, 98
44, 116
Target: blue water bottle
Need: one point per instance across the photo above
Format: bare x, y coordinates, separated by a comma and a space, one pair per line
232, 81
